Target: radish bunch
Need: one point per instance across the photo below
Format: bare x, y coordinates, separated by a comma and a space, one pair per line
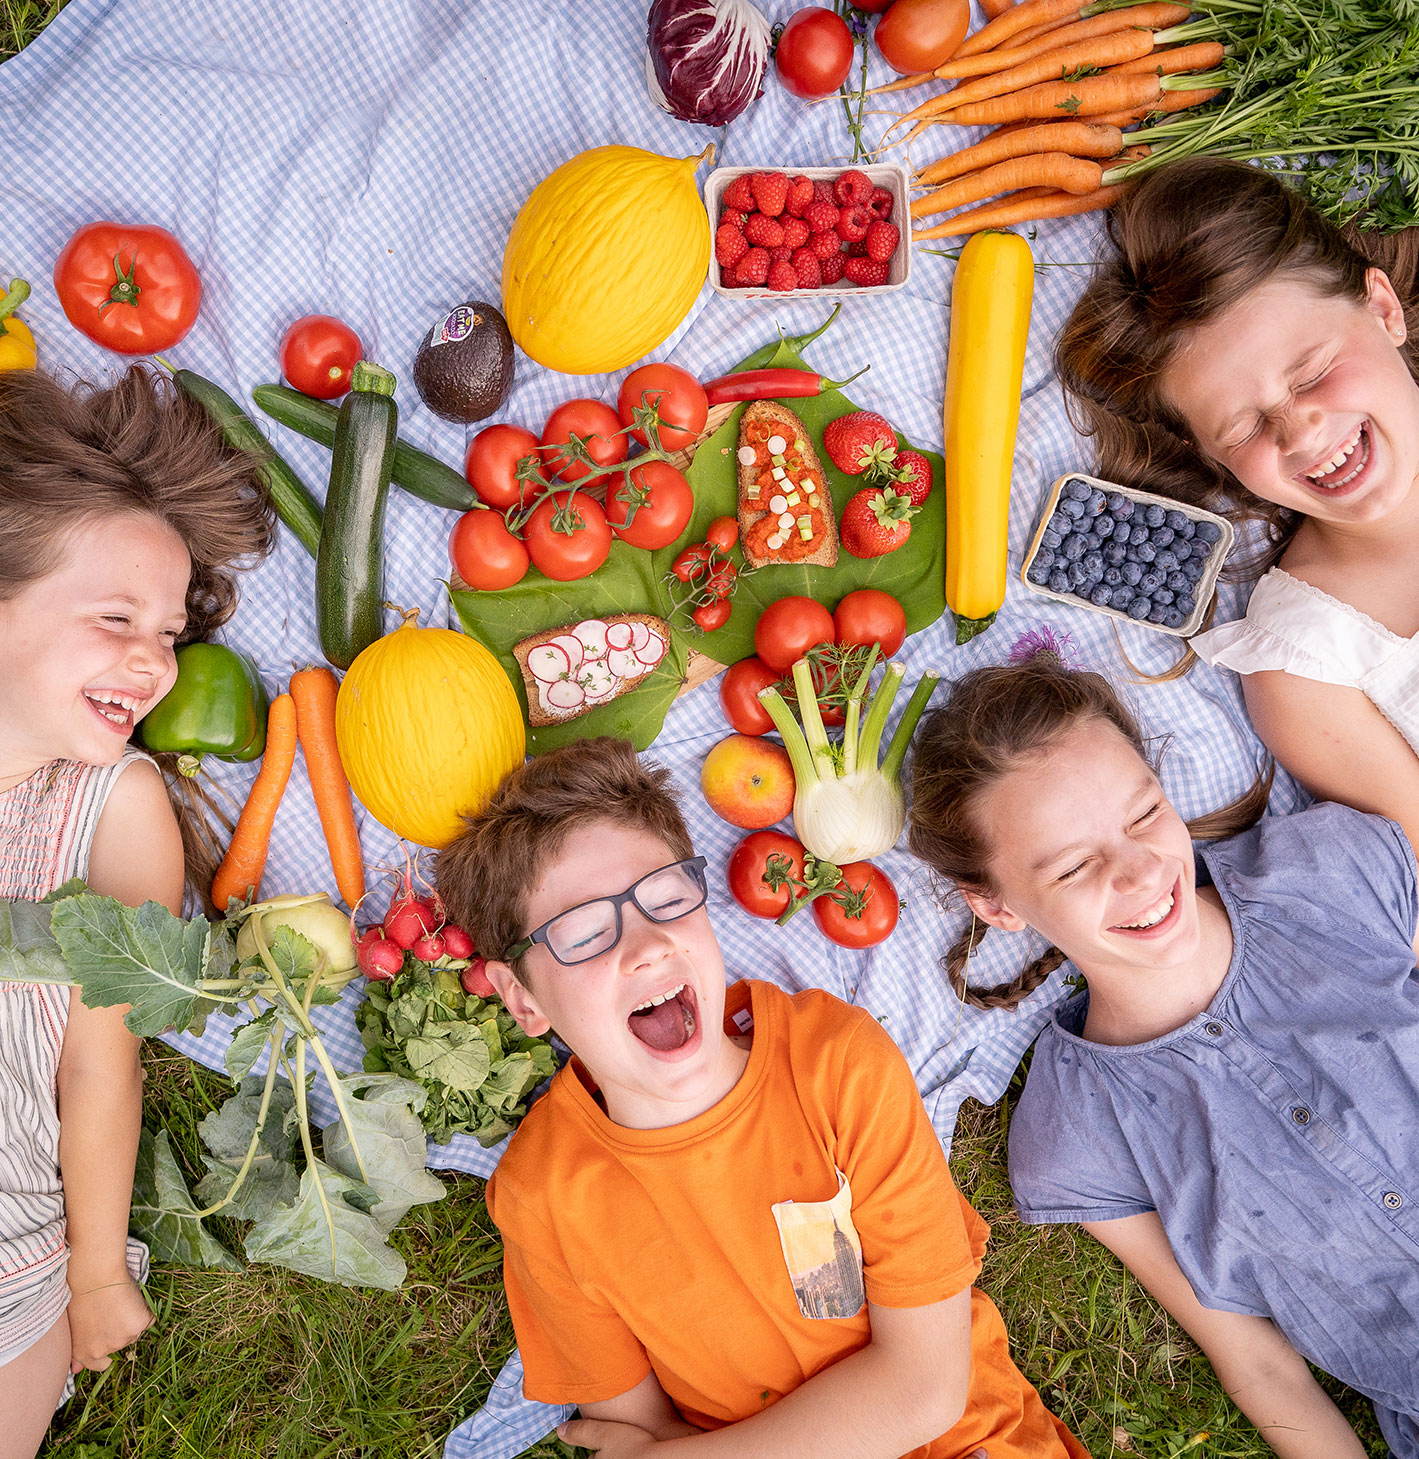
418, 925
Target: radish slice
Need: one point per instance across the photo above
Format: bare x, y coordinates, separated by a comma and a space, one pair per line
547, 662
565, 694
571, 646
592, 636
639, 635
651, 653
624, 664
597, 681
619, 635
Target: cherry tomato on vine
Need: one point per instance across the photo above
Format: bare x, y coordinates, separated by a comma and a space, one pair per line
877, 899
814, 53
869, 616
747, 864
739, 687
723, 533
712, 615
786, 630
484, 553
599, 428
676, 395
317, 354
491, 464
668, 500
691, 562
567, 556
720, 582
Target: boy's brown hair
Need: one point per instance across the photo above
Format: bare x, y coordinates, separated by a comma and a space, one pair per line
486, 874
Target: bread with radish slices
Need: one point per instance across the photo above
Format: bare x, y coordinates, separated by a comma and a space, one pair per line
568, 671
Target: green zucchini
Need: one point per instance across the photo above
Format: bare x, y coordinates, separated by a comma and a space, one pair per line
349, 567
416, 471
294, 504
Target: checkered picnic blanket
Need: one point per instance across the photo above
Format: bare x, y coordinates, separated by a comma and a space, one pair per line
367, 159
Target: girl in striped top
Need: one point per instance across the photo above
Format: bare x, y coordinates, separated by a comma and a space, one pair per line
122, 516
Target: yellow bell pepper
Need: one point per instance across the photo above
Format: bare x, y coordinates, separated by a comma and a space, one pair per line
16, 342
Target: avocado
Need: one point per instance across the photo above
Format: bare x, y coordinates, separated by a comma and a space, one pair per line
463, 369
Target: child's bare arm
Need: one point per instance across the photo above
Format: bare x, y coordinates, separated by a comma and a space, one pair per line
646, 1406
905, 1388
1263, 1374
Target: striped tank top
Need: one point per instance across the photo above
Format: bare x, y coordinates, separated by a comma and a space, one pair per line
47, 827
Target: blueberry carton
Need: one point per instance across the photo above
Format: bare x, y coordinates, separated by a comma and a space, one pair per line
1127, 553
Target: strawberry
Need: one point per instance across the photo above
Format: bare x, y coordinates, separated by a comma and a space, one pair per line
875, 522
732, 218
782, 277
823, 192
831, 267
805, 266
795, 232
853, 222
911, 476
752, 269
853, 187
739, 195
881, 240
880, 203
729, 246
859, 441
770, 191
800, 194
823, 244
866, 271
763, 232
821, 217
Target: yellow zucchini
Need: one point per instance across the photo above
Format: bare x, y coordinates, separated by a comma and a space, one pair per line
990, 322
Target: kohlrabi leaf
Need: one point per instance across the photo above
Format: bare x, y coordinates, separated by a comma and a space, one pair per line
163, 1213
272, 1180
323, 1235
28, 951
247, 1043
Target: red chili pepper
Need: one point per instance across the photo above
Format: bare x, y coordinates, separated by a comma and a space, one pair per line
779, 383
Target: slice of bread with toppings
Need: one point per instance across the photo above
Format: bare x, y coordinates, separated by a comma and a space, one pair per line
568, 671
785, 505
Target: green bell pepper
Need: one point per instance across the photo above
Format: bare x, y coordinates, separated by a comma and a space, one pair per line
217, 707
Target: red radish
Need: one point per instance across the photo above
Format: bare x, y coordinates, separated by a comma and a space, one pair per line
380, 959
370, 934
409, 918
475, 980
456, 941
429, 948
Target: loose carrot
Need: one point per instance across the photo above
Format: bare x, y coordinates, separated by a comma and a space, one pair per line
1170, 101
1020, 38
1201, 56
1080, 139
314, 692
239, 875
902, 83
1057, 170
1090, 97
1135, 17
1020, 209
993, 8
1019, 17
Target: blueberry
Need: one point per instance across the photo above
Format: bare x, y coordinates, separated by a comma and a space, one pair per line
1039, 570
1176, 521
1138, 535
1145, 552
1182, 549
1194, 569
1187, 527
1116, 502
1050, 538
1162, 536
1124, 511
1132, 573
1151, 581
1184, 604
1122, 598
1059, 581
1139, 607
1078, 577
1158, 613
1100, 596
1174, 619
1112, 576
1075, 490
1209, 531
1103, 525
1096, 503
1093, 565
1071, 507
1166, 560
1178, 581
1074, 547
1154, 516
1163, 596
1115, 554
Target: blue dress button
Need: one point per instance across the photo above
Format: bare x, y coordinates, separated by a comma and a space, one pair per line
1393, 1200
1213, 1030
1301, 1115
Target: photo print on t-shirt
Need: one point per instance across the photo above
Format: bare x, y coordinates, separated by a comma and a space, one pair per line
823, 1254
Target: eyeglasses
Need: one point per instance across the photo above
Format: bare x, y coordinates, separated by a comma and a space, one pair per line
592, 928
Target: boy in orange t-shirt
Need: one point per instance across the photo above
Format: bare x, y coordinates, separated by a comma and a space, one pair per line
729, 1228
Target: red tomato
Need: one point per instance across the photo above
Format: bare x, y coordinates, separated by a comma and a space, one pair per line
877, 912
872, 7
317, 354
747, 864
690, 564
491, 464
739, 695
666, 501
786, 630
712, 615
567, 556
677, 396
723, 533
814, 53
133, 290
870, 616
720, 582
599, 428
920, 35
484, 553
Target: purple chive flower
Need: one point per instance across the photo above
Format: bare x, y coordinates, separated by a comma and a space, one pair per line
1043, 640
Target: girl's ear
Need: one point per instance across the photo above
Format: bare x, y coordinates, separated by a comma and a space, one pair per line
991, 909
517, 998
1385, 304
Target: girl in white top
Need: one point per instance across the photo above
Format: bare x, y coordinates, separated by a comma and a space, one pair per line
1240, 352
121, 515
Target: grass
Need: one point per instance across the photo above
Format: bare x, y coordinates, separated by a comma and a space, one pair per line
270, 1365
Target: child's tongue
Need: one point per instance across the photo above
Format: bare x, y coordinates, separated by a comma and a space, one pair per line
665, 1027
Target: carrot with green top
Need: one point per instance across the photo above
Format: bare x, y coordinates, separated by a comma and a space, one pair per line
239, 875
1201, 56
1137, 17
1027, 14
1021, 209
1079, 139
314, 692
1055, 170
1093, 96
1168, 103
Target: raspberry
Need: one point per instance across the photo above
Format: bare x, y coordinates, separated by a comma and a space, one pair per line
881, 203
763, 232
881, 240
823, 192
782, 277
752, 269
782, 254
729, 246
805, 266
770, 191
853, 187
800, 194
866, 271
795, 232
831, 267
852, 223
738, 195
823, 244
821, 217
734, 218
857, 248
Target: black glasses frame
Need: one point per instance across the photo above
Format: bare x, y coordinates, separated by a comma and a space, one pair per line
695, 864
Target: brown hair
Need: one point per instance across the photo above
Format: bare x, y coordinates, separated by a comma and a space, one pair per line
996, 717
486, 874
73, 454
1191, 239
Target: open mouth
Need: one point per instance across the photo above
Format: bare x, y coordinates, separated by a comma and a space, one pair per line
1345, 464
116, 710
1157, 918
666, 1022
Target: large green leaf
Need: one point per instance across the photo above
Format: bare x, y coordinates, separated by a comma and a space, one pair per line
28, 951
271, 1179
163, 1213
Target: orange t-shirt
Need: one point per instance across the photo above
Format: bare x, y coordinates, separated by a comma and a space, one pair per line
731, 1255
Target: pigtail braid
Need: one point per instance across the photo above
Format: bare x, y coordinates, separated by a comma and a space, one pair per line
1004, 995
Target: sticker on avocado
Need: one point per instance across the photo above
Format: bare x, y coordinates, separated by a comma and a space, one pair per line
458, 325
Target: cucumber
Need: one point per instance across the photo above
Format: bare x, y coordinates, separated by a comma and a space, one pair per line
420, 474
349, 567
294, 504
